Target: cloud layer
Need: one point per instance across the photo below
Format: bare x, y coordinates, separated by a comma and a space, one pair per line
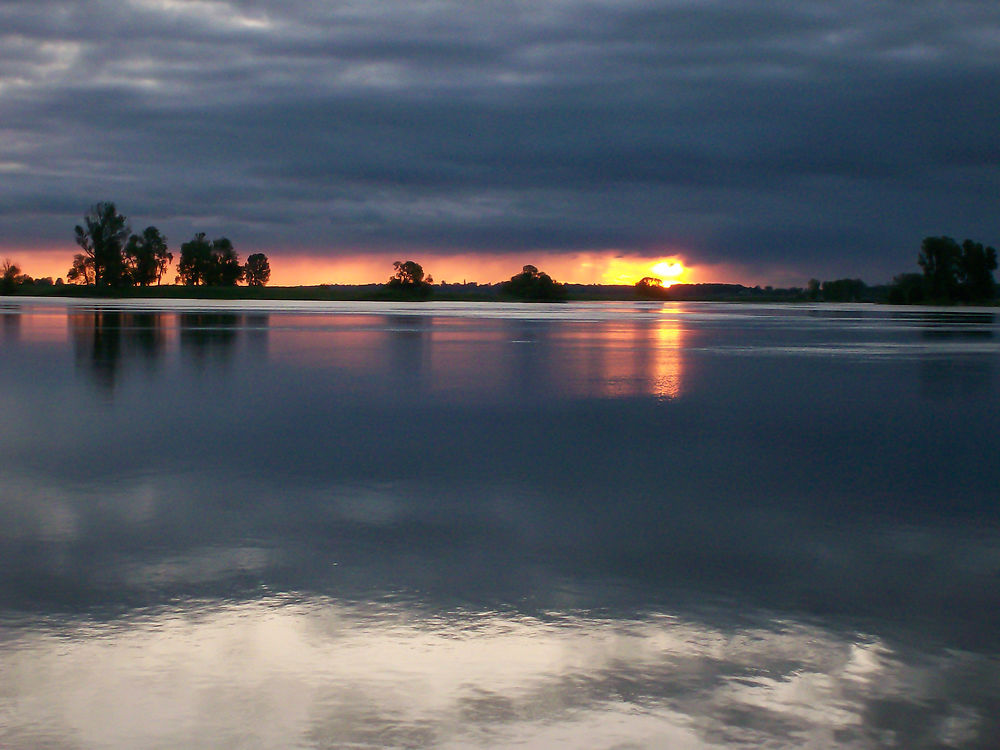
807, 136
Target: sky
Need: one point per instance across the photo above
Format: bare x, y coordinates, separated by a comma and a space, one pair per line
752, 142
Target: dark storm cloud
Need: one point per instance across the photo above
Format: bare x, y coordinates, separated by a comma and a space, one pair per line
810, 135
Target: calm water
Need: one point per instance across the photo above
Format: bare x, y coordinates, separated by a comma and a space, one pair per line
477, 526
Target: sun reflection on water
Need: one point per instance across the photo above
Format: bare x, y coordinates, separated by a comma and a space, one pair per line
638, 353
631, 358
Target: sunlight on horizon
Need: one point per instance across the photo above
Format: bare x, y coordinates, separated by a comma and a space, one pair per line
486, 268
670, 272
572, 268
623, 270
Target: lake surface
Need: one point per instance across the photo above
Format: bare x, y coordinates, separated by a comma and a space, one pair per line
450, 525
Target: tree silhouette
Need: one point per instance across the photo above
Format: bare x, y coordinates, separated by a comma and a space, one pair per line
147, 257
532, 284
907, 289
212, 263
954, 272
257, 271
82, 270
196, 256
10, 274
408, 273
844, 290
650, 286
976, 270
103, 239
226, 268
409, 280
939, 259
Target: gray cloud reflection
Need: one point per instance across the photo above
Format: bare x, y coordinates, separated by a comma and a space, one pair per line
314, 672
321, 528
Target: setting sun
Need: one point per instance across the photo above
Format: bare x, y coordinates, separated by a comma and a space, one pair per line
670, 271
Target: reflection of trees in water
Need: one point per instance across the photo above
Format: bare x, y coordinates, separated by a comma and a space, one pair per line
145, 335
525, 339
929, 320
104, 339
208, 336
11, 325
257, 327
958, 326
409, 350
959, 377
961, 374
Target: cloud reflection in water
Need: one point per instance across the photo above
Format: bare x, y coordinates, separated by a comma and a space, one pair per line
314, 672
479, 526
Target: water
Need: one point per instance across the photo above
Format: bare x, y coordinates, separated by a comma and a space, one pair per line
599, 525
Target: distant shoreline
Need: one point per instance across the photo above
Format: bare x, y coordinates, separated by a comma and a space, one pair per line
470, 292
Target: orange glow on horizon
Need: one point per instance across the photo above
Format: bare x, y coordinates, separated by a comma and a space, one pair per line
573, 268
39, 262
300, 269
628, 270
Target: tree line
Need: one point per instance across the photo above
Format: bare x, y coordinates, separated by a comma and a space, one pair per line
11, 276
113, 257
532, 285
951, 273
